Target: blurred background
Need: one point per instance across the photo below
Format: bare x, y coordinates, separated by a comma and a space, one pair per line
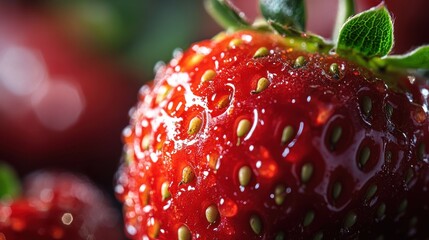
71, 70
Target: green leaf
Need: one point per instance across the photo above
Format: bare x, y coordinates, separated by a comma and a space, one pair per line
225, 15
346, 9
369, 34
9, 183
290, 13
416, 59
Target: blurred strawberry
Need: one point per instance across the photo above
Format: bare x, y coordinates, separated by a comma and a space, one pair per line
59, 105
59, 206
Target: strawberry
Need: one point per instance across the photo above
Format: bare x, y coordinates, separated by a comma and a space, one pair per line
267, 132
56, 112
58, 206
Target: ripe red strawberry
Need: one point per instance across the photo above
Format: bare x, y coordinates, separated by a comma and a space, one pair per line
261, 135
59, 206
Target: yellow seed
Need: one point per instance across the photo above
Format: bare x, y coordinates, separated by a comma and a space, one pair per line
213, 160
212, 213
164, 191
235, 42
244, 175
336, 190
194, 125
350, 220
308, 219
287, 134
197, 58
280, 194
299, 62
318, 236
162, 93
280, 236
381, 210
336, 134
223, 102
261, 52
371, 191
366, 105
187, 175
364, 156
183, 233
421, 151
409, 175
129, 157
335, 70
262, 84
144, 195
146, 142
256, 224
154, 230
306, 172
402, 206
243, 127
208, 75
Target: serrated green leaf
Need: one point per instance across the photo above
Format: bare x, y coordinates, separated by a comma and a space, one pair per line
285, 12
369, 33
416, 59
225, 15
9, 183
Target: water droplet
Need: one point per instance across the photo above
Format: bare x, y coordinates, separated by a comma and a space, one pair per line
228, 208
67, 218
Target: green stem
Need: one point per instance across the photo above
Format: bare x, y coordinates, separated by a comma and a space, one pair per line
225, 15
346, 9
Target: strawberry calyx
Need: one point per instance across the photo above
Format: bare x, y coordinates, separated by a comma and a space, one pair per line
365, 38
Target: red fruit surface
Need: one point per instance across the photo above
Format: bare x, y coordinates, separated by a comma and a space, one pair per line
210, 155
59, 206
60, 105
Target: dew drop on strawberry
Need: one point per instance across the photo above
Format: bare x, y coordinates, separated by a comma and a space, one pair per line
227, 207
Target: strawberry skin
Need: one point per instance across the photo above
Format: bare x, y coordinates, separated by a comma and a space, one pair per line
244, 136
59, 206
